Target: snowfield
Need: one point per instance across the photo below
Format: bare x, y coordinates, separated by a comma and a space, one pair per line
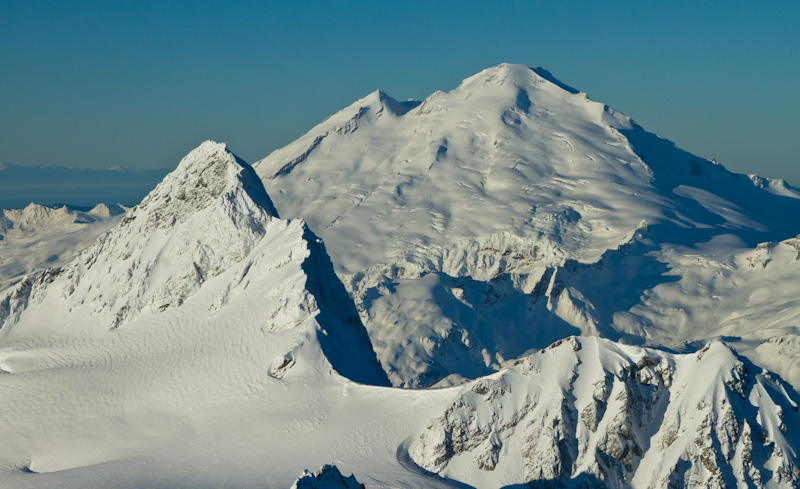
503, 286
512, 211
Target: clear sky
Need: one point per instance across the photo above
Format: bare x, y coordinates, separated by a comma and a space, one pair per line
139, 84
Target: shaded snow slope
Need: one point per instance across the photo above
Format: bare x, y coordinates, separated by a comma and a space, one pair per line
588, 412
37, 236
454, 221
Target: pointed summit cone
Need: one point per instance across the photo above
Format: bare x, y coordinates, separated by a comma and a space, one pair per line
208, 173
205, 216
208, 225
203, 247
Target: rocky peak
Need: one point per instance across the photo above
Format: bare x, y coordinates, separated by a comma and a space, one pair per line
204, 175
591, 410
204, 217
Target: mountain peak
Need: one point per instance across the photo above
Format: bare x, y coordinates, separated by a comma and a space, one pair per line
205, 174
514, 75
201, 220
379, 100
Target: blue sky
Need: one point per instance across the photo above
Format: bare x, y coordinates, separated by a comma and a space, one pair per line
139, 84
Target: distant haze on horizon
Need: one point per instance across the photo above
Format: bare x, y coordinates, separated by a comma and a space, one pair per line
111, 84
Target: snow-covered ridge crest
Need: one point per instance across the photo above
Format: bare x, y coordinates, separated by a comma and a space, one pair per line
591, 411
206, 215
365, 110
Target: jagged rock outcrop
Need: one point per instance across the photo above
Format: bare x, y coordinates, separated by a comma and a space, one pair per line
328, 477
588, 409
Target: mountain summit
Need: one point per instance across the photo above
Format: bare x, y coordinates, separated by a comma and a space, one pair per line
207, 215
502, 215
209, 228
510, 149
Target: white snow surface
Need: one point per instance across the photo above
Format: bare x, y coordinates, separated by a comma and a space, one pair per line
242, 364
464, 226
38, 237
205, 342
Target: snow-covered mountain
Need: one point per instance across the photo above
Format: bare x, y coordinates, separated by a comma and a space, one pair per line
38, 236
588, 412
199, 306
206, 342
513, 211
209, 218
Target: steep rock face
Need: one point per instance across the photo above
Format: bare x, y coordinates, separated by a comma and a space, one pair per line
588, 411
479, 214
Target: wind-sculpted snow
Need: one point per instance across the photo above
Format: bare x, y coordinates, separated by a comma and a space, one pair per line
589, 411
518, 169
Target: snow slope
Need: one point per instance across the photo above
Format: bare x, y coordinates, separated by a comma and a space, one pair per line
454, 222
208, 218
204, 342
94, 370
37, 236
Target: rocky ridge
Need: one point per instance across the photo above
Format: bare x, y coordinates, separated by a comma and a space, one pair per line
591, 412
328, 477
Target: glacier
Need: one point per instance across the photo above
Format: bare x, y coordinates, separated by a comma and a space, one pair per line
512, 211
